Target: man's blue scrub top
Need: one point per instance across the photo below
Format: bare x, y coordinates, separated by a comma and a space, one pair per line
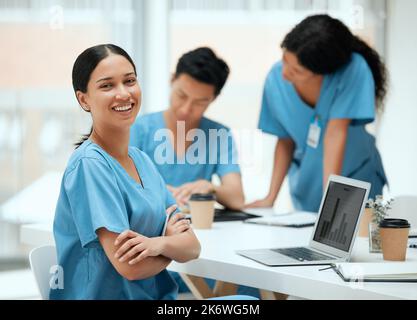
218, 157
96, 192
348, 93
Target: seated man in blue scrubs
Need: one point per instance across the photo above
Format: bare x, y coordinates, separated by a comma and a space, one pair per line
188, 165
186, 147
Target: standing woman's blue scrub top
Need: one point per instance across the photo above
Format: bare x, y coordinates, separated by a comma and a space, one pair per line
97, 192
143, 136
348, 93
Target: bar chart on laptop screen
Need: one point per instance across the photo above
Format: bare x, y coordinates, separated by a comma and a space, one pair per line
339, 216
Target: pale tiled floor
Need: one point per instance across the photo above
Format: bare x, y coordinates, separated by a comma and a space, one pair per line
20, 285
186, 296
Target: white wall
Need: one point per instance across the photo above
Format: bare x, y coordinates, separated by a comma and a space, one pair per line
152, 52
398, 132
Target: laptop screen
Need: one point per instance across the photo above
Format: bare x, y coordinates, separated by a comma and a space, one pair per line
339, 215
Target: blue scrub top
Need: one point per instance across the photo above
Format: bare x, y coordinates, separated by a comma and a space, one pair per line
97, 192
348, 93
220, 158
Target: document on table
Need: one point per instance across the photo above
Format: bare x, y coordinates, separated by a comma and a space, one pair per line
377, 271
293, 220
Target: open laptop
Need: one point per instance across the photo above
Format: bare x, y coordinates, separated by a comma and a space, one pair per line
334, 232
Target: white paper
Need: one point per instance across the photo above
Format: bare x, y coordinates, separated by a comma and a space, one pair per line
379, 270
296, 219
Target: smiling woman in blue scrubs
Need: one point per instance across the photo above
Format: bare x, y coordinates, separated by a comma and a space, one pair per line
317, 101
112, 206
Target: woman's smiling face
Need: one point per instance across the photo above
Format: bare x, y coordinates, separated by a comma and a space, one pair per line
113, 94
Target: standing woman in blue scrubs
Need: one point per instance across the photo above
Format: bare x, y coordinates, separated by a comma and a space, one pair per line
111, 212
317, 101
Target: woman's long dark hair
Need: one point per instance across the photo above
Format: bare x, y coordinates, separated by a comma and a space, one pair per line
323, 44
84, 66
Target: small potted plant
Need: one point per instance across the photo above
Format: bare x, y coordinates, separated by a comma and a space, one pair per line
379, 209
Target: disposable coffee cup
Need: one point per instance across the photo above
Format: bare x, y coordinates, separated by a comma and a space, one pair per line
394, 239
202, 210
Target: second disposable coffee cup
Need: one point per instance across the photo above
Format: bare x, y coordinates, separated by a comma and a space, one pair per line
202, 210
394, 239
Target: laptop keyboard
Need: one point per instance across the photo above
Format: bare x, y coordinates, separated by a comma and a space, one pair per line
303, 254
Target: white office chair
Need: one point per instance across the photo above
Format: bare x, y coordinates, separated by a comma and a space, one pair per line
41, 260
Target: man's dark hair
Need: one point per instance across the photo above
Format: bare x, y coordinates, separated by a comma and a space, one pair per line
203, 65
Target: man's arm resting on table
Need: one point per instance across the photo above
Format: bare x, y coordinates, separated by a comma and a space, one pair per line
230, 192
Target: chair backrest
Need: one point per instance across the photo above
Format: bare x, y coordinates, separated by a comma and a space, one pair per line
41, 260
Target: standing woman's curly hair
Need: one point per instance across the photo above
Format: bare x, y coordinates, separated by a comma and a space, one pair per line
323, 44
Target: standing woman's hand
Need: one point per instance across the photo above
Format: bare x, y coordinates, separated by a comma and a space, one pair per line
264, 203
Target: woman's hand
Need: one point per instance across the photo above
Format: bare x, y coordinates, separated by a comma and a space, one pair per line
264, 203
137, 247
177, 224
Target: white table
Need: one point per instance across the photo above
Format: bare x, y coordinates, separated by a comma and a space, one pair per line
218, 260
34, 204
